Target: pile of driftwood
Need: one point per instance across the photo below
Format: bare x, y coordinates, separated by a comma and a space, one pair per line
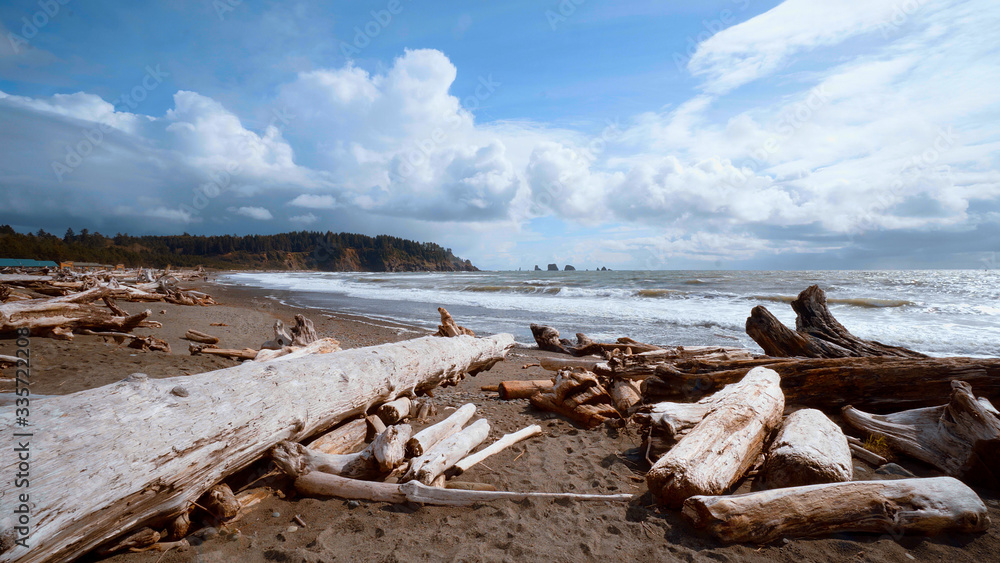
300, 340
165, 447
713, 417
66, 303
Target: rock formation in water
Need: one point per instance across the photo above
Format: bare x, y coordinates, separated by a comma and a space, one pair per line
569, 268
553, 268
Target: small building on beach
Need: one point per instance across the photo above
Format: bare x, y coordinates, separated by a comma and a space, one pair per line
26, 263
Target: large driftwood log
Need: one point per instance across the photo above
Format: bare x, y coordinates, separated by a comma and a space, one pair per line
198, 336
427, 438
961, 438
449, 327
325, 484
876, 383
518, 389
810, 449
817, 333
666, 423
724, 445
447, 452
385, 453
923, 506
163, 442
394, 411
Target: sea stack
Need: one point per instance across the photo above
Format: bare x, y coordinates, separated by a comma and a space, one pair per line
553, 268
569, 268
537, 269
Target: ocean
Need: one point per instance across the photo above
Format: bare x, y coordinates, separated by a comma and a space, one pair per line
938, 312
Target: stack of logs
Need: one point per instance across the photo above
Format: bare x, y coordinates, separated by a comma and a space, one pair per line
66, 303
724, 423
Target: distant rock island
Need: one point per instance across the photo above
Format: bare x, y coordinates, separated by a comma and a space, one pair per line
537, 269
569, 268
553, 268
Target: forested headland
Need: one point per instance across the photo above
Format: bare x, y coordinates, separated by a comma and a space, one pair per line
301, 250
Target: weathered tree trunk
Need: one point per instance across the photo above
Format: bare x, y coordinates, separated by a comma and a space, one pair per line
877, 383
516, 389
303, 333
809, 449
344, 439
427, 438
669, 422
961, 438
817, 333
548, 339
447, 453
386, 452
924, 506
210, 349
625, 395
724, 445
161, 443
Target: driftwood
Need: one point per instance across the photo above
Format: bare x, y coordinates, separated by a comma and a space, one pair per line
641, 366
220, 502
449, 327
394, 411
135, 341
961, 438
724, 445
385, 453
666, 423
923, 506
198, 336
625, 395
321, 346
325, 484
375, 426
558, 363
809, 449
427, 438
303, 333
158, 450
548, 339
504, 442
210, 349
817, 333
60, 316
447, 452
877, 383
344, 439
867, 456
579, 396
517, 389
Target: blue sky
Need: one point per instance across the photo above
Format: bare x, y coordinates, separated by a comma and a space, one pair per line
725, 134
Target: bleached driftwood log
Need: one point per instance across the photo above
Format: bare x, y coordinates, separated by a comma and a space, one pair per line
724, 445
669, 422
504, 442
394, 411
810, 449
449, 327
423, 441
325, 484
961, 438
344, 439
548, 339
817, 333
198, 336
303, 333
625, 395
210, 349
447, 452
876, 383
923, 506
163, 442
517, 389
135, 341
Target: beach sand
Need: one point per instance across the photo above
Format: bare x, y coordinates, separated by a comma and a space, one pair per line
565, 458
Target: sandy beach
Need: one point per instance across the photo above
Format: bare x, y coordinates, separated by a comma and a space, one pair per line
565, 458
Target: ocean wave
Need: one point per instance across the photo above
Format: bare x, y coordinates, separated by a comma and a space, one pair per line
868, 303
530, 290
658, 292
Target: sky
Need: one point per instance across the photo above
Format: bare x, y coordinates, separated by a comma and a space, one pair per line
729, 134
